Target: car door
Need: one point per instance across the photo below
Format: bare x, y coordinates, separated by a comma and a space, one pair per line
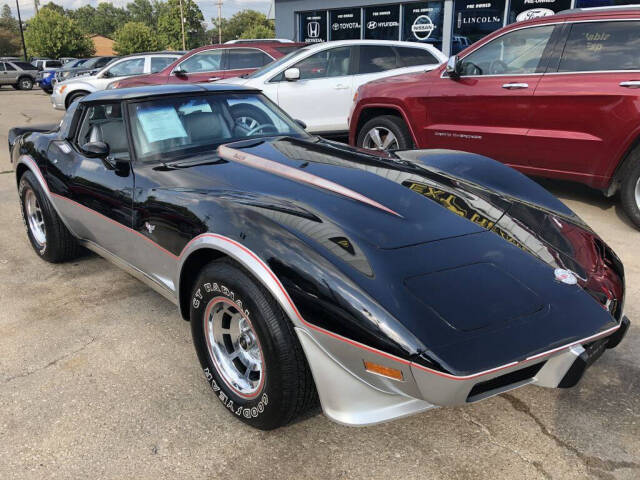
241, 61
4, 75
487, 109
94, 198
322, 96
203, 66
12, 73
122, 69
587, 108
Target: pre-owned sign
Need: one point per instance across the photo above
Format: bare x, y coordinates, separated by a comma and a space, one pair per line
521, 10
422, 22
313, 26
345, 24
382, 23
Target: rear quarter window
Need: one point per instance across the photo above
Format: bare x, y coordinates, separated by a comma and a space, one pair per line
410, 57
595, 46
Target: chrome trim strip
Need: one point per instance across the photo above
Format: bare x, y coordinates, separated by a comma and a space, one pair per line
291, 173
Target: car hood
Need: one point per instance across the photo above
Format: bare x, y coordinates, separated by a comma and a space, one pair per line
235, 81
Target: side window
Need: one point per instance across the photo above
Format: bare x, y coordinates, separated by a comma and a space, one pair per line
335, 62
103, 123
158, 63
376, 58
135, 66
54, 64
516, 52
410, 57
101, 62
242, 58
207, 61
602, 46
1, 67
9, 67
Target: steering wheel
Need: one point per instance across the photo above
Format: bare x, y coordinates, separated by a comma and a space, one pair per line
497, 67
262, 126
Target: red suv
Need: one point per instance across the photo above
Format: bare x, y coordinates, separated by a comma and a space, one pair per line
215, 62
555, 97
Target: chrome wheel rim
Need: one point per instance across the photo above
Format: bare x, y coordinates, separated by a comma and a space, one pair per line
234, 347
380, 138
638, 193
247, 122
35, 218
25, 84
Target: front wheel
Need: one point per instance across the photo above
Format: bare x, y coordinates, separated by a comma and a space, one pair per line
25, 83
248, 349
384, 133
630, 190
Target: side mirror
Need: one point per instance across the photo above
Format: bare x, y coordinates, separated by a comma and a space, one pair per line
453, 66
96, 149
301, 124
292, 74
106, 74
179, 72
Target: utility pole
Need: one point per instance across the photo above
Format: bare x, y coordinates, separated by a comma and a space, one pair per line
219, 21
24, 46
184, 42
36, 3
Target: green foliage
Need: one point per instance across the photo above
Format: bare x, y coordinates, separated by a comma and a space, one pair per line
51, 34
103, 20
55, 7
10, 44
134, 37
244, 24
143, 11
169, 29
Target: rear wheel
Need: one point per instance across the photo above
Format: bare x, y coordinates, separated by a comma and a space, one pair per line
49, 237
25, 83
384, 133
249, 117
73, 97
630, 189
248, 349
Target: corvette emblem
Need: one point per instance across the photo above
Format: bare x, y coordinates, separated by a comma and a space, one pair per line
150, 228
565, 276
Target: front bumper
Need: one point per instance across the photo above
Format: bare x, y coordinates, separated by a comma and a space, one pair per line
351, 395
57, 99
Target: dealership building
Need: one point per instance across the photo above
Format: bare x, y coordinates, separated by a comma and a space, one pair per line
449, 25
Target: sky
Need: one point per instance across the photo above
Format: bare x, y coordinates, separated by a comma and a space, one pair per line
209, 7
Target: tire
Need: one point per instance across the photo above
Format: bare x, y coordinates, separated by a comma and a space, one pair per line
630, 188
73, 97
49, 237
249, 116
385, 123
25, 83
280, 387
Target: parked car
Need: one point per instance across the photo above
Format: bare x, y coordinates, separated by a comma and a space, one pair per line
90, 67
401, 281
315, 84
66, 60
48, 79
214, 62
138, 64
20, 75
554, 97
46, 64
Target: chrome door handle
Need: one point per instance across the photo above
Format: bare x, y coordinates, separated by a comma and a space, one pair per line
631, 84
213, 79
341, 87
515, 86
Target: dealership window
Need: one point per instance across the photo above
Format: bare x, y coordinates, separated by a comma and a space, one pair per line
602, 46
473, 20
313, 26
520, 10
345, 24
382, 22
422, 22
516, 52
334, 62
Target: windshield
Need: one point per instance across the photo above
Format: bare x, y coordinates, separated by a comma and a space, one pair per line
74, 64
170, 128
273, 65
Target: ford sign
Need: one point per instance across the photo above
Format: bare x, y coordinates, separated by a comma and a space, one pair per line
534, 13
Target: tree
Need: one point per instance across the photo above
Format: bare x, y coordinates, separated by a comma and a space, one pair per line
142, 11
134, 37
50, 34
170, 31
54, 6
244, 24
108, 19
84, 17
10, 44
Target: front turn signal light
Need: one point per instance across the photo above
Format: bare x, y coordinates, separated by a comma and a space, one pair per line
388, 372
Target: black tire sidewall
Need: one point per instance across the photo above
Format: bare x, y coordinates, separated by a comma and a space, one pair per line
627, 193
28, 182
394, 124
74, 97
264, 410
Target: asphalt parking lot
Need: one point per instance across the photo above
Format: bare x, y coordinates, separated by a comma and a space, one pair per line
98, 379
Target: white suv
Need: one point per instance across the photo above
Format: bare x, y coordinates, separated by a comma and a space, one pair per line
67, 91
316, 83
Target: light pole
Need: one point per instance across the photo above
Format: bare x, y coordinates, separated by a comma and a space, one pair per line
184, 43
24, 46
219, 21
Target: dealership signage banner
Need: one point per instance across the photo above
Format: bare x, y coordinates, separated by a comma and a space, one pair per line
345, 24
382, 23
422, 22
313, 26
475, 19
521, 10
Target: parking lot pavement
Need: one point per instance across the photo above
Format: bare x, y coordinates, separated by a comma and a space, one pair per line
98, 379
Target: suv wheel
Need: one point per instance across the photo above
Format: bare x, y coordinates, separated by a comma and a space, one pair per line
73, 97
630, 191
25, 83
386, 132
249, 352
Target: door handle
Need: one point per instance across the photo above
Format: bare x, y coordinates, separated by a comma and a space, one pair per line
515, 86
340, 86
213, 79
631, 84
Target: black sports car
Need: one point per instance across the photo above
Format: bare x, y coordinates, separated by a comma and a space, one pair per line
388, 283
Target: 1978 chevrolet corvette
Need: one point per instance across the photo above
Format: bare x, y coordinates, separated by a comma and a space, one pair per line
383, 284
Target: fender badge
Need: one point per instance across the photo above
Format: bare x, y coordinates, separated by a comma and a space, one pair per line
565, 276
150, 228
